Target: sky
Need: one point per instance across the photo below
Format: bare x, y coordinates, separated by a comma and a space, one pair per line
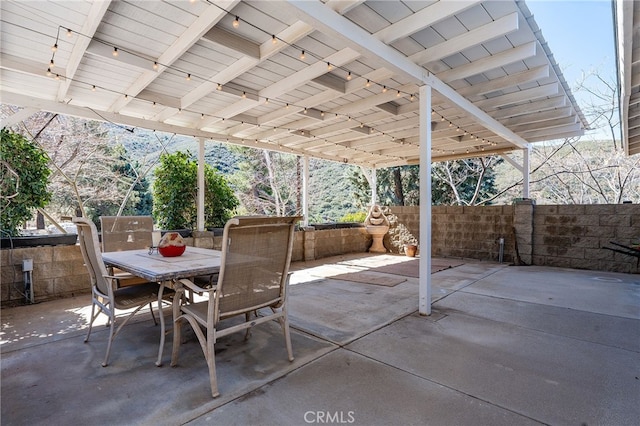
580, 35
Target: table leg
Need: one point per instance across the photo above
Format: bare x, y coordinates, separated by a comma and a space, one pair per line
162, 326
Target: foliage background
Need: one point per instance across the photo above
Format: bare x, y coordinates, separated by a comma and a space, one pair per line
29, 162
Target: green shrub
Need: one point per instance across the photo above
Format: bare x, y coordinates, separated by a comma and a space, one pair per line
357, 217
175, 194
25, 173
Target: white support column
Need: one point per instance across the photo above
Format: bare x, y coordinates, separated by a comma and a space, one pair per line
305, 190
424, 294
374, 186
526, 171
200, 204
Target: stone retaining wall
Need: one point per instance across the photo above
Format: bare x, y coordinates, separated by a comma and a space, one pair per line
59, 271
570, 236
573, 236
546, 235
469, 232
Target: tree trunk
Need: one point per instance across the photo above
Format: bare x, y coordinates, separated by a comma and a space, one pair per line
397, 186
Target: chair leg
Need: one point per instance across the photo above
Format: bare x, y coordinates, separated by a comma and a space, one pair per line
177, 331
93, 317
211, 363
247, 333
284, 323
112, 321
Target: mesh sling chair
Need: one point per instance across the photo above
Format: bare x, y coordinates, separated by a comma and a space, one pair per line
126, 232
254, 274
105, 294
121, 233
130, 233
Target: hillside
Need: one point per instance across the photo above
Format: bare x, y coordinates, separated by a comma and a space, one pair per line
330, 190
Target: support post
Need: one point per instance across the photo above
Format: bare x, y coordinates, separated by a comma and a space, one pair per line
526, 171
200, 204
374, 187
305, 190
424, 294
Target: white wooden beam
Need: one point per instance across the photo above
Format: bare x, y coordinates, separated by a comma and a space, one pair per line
371, 101
422, 19
290, 35
343, 6
205, 21
358, 83
334, 25
21, 115
533, 93
490, 31
89, 28
530, 107
283, 86
537, 117
489, 63
506, 82
233, 42
307, 74
553, 132
548, 124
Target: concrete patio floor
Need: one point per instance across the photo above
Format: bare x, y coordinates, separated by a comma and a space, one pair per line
505, 345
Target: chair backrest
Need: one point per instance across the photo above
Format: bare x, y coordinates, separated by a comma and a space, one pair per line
256, 254
90, 248
121, 233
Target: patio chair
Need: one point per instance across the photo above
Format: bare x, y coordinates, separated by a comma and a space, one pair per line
254, 274
131, 233
121, 233
126, 232
105, 294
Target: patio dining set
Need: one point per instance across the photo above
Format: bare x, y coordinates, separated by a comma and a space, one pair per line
247, 278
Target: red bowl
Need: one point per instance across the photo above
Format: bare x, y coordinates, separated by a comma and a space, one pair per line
172, 251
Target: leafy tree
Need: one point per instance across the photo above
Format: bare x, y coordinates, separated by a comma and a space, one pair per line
84, 178
25, 173
175, 194
399, 186
361, 192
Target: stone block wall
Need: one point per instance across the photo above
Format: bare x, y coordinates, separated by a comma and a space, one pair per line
58, 271
330, 242
571, 236
459, 231
547, 235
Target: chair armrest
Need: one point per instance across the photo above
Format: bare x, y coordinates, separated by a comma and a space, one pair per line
190, 285
112, 277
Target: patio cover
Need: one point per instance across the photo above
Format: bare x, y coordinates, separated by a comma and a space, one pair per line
348, 81
627, 33
502, 87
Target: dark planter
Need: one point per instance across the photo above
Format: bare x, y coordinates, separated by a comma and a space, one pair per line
217, 232
323, 226
40, 240
336, 225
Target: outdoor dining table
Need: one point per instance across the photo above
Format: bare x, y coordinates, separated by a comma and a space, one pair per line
153, 267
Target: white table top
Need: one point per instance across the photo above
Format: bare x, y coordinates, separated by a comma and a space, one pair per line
154, 267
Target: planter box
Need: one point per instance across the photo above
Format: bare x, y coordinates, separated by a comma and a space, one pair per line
40, 240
